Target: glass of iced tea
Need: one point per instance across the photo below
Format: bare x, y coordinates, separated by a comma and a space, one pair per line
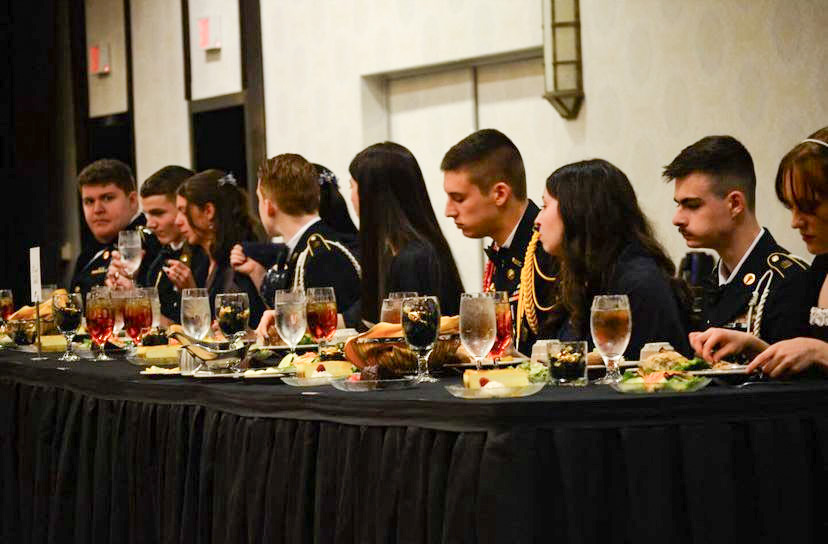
611, 325
392, 304
321, 311
6, 304
503, 318
100, 319
137, 315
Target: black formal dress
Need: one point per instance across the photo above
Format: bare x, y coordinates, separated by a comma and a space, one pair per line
325, 266
657, 313
818, 318
417, 267
779, 286
168, 293
93, 261
504, 268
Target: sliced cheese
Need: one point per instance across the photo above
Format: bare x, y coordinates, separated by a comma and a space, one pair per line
508, 377
53, 343
158, 353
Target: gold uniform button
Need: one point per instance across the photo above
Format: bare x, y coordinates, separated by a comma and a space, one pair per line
510, 274
749, 278
774, 258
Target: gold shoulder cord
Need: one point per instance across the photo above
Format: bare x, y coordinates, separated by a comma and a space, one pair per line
527, 298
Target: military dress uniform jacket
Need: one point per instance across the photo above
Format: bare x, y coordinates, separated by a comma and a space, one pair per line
325, 266
168, 294
780, 288
506, 265
93, 262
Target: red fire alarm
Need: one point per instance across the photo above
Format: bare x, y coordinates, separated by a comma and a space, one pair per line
99, 59
209, 33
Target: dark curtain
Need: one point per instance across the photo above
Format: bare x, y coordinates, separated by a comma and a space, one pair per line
75, 468
31, 178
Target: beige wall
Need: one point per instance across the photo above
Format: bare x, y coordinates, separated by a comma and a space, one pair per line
105, 26
215, 73
658, 76
162, 133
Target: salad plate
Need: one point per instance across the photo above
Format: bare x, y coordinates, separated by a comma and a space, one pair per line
307, 382
346, 384
494, 392
633, 382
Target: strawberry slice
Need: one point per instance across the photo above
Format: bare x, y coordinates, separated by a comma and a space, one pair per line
320, 368
483, 381
355, 377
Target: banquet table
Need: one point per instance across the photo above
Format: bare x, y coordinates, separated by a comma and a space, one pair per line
100, 453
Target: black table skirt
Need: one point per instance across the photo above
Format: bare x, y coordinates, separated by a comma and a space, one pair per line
100, 454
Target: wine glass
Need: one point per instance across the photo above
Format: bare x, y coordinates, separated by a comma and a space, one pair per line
119, 298
291, 317
195, 313
100, 319
478, 324
232, 314
610, 323
129, 246
68, 311
137, 315
420, 317
321, 310
503, 317
155, 302
6, 304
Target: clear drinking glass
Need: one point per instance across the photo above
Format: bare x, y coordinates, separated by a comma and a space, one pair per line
391, 306
610, 323
137, 315
291, 316
420, 317
321, 313
100, 319
47, 290
195, 313
478, 324
119, 298
129, 246
567, 363
152, 294
68, 311
6, 304
233, 314
503, 317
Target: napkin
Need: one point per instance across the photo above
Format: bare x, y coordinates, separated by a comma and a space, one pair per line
448, 325
45, 308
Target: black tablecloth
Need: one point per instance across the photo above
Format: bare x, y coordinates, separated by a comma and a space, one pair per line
101, 454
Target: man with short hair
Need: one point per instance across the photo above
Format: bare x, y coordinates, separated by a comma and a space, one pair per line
110, 205
158, 194
757, 285
485, 181
288, 192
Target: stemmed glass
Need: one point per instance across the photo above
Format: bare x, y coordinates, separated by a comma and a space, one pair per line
420, 317
129, 246
610, 323
6, 304
195, 313
233, 314
390, 312
478, 325
68, 311
155, 302
100, 319
503, 317
291, 317
137, 315
321, 310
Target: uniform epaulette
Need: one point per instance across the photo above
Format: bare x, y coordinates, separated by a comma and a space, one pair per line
781, 263
315, 243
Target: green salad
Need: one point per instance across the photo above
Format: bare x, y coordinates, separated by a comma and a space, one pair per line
538, 372
635, 381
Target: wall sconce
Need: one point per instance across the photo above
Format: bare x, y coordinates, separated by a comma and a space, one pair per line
563, 79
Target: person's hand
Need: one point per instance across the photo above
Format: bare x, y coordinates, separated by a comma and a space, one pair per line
242, 264
180, 274
715, 344
790, 357
266, 330
116, 275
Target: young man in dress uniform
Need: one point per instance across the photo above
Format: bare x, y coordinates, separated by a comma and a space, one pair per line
158, 194
485, 181
110, 205
757, 285
314, 255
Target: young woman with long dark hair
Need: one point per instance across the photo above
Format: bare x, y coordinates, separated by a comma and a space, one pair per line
592, 223
214, 214
401, 244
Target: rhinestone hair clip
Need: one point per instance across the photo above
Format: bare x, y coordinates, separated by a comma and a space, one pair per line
227, 179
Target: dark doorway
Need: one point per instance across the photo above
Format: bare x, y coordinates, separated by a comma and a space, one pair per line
219, 141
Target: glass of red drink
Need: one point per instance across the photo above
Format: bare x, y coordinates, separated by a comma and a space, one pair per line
503, 318
100, 319
321, 312
6, 304
137, 315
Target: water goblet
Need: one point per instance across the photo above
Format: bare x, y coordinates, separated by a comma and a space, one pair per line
610, 323
478, 324
420, 318
195, 313
129, 246
291, 316
68, 311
